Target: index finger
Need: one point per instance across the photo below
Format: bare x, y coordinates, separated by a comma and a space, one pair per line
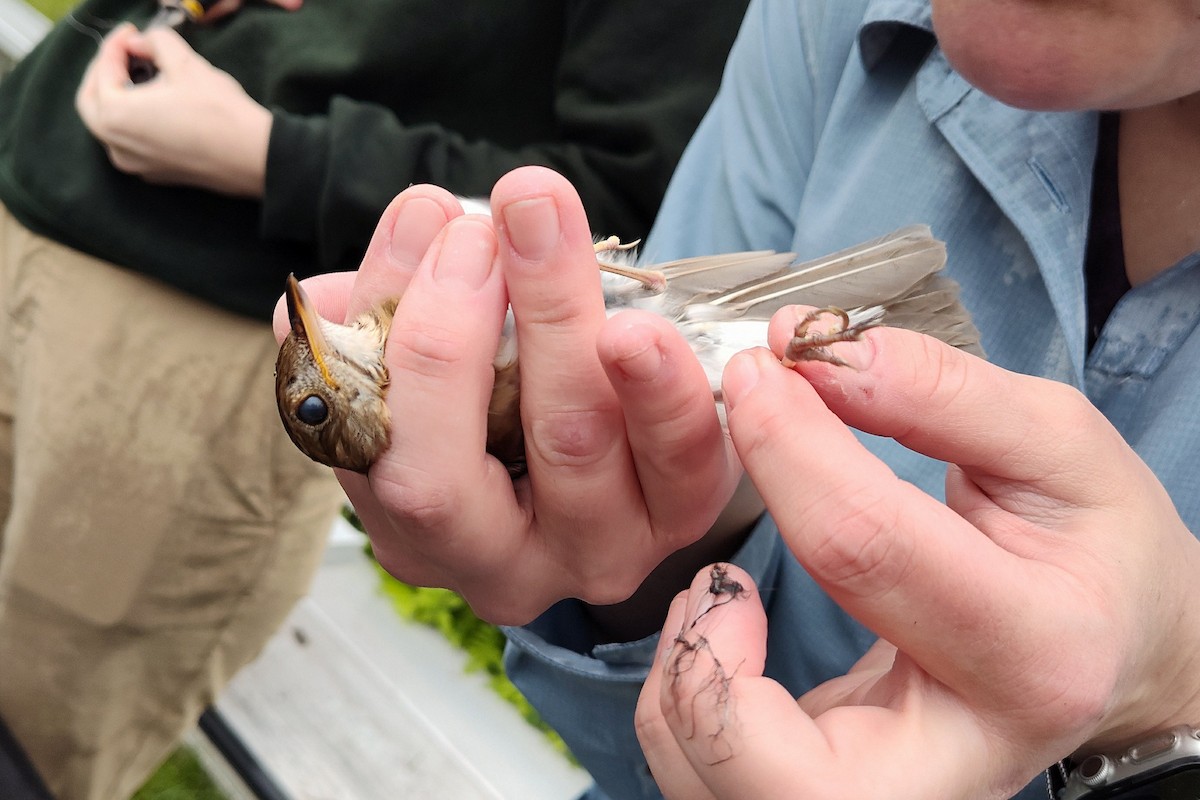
109, 67
406, 229
165, 47
574, 426
958, 408
887, 552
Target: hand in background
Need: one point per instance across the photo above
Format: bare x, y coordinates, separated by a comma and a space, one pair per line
627, 460
1048, 606
192, 124
226, 7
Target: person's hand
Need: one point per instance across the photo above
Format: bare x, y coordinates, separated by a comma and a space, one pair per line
192, 124
1048, 606
627, 459
224, 8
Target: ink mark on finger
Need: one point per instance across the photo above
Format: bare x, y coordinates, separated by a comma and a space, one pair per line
715, 688
721, 583
723, 589
688, 655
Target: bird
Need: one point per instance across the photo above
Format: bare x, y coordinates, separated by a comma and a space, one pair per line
331, 380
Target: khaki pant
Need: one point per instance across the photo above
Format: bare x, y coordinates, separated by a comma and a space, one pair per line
157, 523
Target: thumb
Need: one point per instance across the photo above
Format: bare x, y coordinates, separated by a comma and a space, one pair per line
713, 726
329, 292
706, 710
166, 48
110, 65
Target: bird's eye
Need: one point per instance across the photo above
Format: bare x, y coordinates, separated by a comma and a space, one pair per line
312, 410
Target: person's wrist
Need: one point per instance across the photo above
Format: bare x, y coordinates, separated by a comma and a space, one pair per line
1168, 692
256, 133
237, 157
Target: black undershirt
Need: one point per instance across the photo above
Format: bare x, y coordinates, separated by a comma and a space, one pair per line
1104, 263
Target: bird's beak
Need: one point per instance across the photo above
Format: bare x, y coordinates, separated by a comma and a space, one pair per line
306, 326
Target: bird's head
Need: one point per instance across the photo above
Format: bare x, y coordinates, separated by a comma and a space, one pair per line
330, 384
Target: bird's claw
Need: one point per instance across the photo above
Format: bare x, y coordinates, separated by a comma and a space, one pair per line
614, 243
653, 281
814, 346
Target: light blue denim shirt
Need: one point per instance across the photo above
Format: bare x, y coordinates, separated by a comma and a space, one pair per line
838, 121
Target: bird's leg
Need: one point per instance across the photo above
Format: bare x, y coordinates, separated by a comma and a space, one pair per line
651, 279
614, 243
813, 346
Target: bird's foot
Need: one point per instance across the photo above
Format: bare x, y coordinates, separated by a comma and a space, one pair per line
807, 345
613, 244
651, 280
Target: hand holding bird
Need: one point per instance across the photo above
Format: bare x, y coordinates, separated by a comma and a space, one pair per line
331, 378
627, 460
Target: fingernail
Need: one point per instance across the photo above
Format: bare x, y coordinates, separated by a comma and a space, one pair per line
417, 224
532, 227
466, 256
639, 357
741, 375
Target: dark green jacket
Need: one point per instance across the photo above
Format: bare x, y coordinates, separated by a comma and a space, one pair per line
368, 97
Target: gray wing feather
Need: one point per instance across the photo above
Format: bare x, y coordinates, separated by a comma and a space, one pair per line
897, 277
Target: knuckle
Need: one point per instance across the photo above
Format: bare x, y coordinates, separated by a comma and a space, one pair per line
602, 579
123, 162
400, 564
615, 588
860, 550
572, 437
1080, 685
685, 425
1073, 419
419, 503
428, 350
554, 317
606, 570
506, 608
1071, 408
98, 121
111, 118
758, 430
650, 726
943, 377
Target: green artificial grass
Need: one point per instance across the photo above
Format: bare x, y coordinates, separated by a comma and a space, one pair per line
54, 9
181, 777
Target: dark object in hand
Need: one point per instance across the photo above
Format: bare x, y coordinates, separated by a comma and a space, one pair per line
172, 14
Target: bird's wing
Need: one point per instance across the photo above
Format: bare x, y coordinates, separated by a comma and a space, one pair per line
873, 273
933, 307
895, 280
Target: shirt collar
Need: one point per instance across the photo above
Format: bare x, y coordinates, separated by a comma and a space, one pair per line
884, 21
1018, 156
